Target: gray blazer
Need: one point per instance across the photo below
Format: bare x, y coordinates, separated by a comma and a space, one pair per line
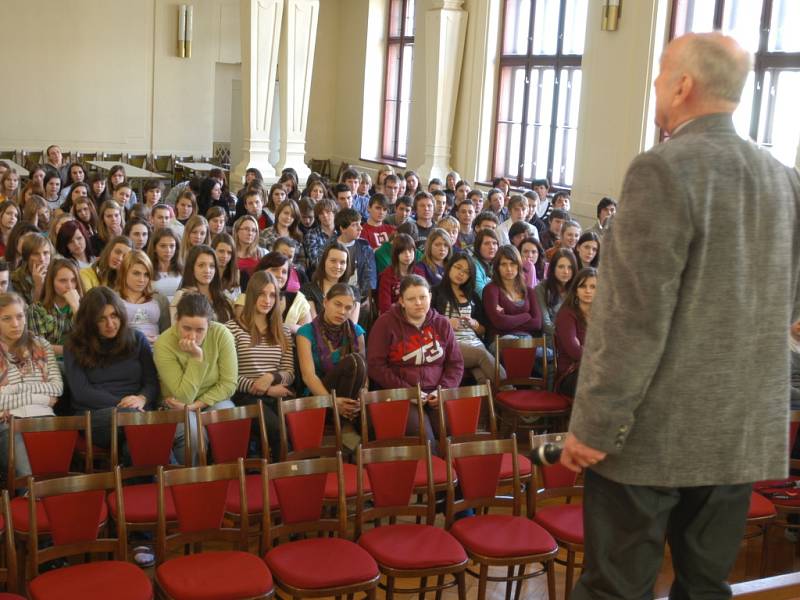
685, 375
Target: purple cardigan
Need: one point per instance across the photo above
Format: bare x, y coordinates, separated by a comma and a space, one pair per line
507, 317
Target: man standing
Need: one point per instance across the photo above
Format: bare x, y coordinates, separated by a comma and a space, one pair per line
683, 395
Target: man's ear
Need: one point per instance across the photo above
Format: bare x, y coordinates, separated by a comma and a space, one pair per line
684, 88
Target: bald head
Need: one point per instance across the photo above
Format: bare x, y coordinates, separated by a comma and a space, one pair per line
701, 73
717, 63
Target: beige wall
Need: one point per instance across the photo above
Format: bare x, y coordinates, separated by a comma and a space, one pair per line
104, 75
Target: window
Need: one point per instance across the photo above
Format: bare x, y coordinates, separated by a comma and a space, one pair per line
768, 29
539, 90
397, 93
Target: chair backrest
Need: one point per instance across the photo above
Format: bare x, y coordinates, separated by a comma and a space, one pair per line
476, 467
162, 164
302, 424
8, 571
74, 507
519, 356
137, 160
460, 413
554, 481
385, 413
200, 494
229, 433
51, 443
300, 486
392, 471
149, 436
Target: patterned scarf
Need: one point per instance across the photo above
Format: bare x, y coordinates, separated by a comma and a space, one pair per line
330, 338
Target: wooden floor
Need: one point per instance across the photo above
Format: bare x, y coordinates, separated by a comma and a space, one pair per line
783, 558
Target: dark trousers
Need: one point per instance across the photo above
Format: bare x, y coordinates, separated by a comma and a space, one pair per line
625, 527
271, 422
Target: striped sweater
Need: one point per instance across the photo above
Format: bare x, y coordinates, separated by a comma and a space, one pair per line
26, 387
255, 361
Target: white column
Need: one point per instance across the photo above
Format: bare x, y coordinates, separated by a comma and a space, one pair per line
260, 30
296, 60
445, 32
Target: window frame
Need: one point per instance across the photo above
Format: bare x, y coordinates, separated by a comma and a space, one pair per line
401, 42
763, 59
530, 61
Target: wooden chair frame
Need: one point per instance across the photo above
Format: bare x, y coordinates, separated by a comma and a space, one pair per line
516, 565
336, 525
412, 394
530, 382
568, 494
286, 407
418, 509
8, 572
68, 485
137, 419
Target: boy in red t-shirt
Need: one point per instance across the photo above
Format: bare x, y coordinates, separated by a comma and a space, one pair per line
374, 230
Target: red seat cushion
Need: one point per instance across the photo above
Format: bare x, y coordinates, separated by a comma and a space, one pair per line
100, 579
502, 536
141, 505
20, 515
215, 576
534, 400
563, 521
439, 467
255, 497
410, 546
760, 507
321, 563
779, 491
350, 483
507, 469
7, 596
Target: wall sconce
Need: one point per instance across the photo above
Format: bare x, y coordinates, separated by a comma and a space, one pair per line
612, 10
185, 26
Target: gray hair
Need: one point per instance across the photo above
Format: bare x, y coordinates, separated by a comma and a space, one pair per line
719, 69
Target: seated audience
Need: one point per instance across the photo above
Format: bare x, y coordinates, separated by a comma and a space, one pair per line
556, 221
151, 193
36, 213
606, 209
455, 299
28, 277
138, 231
163, 252
365, 277
383, 255
31, 382
465, 213
570, 329
331, 352
18, 235
195, 233
570, 234
496, 199
110, 223
227, 264
533, 263
403, 252
53, 316
265, 352
217, 219
108, 363
297, 273
287, 222
295, 309
185, 207
334, 267
374, 230
484, 251
5, 276
161, 216
413, 344
423, 211
551, 292
402, 211
511, 306
248, 252
321, 234
438, 248
9, 215
587, 250
200, 274
147, 310
103, 271
72, 242
84, 211
196, 362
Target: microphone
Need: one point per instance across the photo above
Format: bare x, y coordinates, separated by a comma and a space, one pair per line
546, 455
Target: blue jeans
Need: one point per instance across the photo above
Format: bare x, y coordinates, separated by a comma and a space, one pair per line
21, 463
179, 447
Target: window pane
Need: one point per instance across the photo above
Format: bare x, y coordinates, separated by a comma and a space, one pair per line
391, 96
537, 132
395, 17
783, 35
741, 20
567, 126
575, 26
741, 118
779, 128
693, 15
545, 27
409, 27
509, 121
517, 25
